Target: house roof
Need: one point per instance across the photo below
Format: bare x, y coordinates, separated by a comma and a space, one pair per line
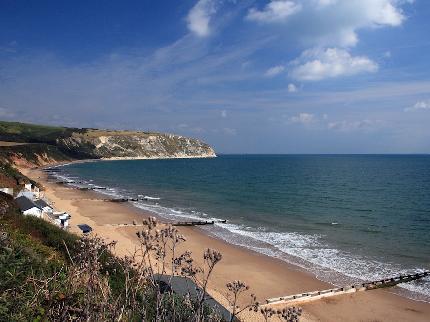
186, 286
25, 204
26, 193
57, 216
41, 203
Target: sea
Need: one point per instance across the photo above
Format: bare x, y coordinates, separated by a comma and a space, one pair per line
344, 218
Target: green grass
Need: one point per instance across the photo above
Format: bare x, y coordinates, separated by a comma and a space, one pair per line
9, 172
35, 247
24, 253
32, 133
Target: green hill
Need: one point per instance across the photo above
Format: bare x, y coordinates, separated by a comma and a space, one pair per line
31, 133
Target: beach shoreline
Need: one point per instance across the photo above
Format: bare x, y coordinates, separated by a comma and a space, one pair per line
268, 277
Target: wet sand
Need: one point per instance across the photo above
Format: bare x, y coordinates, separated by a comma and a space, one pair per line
267, 277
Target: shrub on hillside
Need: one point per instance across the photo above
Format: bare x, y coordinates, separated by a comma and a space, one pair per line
47, 274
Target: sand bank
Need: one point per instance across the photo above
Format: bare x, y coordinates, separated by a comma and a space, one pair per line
267, 277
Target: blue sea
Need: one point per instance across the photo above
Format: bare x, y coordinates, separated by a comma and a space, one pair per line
345, 218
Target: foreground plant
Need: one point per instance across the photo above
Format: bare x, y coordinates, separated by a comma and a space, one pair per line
237, 288
91, 284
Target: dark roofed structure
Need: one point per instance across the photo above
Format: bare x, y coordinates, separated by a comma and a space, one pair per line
24, 203
186, 286
41, 203
85, 228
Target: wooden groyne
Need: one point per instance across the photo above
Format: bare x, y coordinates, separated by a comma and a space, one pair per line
316, 295
126, 225
67, 182
121, 199
51, 170
180, 223
63, 182
81, 188
127, 199
197, 223
91, 188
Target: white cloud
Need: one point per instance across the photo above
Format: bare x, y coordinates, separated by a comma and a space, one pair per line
5, 113
348, 126
199, 17
292, 88
330, 26
317, 64
329, 22
420, 105
274, 11
323, 3
387, 13
142, 83
229, 131
273, 71
303, 118
223, 113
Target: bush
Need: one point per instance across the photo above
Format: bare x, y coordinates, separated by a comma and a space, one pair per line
48, 274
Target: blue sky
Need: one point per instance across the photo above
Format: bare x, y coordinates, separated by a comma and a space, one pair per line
265, 76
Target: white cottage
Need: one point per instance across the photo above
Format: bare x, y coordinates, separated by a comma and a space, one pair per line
60, 218
44, 206
28, 207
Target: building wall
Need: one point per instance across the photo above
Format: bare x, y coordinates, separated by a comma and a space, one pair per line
33, 212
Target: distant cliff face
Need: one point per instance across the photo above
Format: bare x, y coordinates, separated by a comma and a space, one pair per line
47, 144
134, 145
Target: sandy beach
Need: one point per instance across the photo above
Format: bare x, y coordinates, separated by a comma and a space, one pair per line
267, 277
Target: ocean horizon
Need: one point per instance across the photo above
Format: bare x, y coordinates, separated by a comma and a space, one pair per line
346, 218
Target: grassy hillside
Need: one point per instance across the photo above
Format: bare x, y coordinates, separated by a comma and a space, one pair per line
32, 133
33, 252
43, 280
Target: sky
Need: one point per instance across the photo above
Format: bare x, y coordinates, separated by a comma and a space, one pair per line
245, 76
